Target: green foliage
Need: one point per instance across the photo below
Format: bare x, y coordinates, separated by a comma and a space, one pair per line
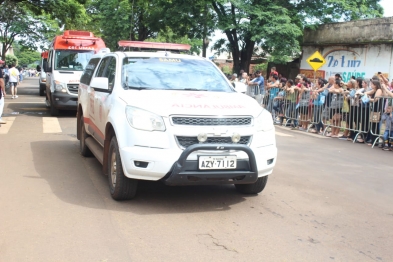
261, 67
194, 19
261, 27
167, 36
11, 59
226, 70
18, 22
68, 13
27, 57
124, 19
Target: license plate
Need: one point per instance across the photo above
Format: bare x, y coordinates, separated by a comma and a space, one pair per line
217, 162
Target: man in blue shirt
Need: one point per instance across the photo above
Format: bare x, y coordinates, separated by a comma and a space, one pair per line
259, 81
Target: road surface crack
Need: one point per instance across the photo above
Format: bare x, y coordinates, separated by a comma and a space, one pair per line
213, 243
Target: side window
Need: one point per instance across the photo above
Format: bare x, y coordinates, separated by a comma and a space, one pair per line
88, 73
111, 73
50, 58
102, 67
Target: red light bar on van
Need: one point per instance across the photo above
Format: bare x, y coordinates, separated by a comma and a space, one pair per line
153, 45
81, 35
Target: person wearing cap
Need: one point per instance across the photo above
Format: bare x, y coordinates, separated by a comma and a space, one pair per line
234, 78
2, 94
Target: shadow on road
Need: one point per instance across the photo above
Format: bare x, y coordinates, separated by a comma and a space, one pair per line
80, 181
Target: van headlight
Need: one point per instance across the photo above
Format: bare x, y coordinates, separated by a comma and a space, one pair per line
60, 87
264, 122
144, 120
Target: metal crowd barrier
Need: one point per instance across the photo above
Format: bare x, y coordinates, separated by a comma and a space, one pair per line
340, 113
378, 126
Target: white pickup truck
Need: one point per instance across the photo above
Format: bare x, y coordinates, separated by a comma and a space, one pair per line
166, 116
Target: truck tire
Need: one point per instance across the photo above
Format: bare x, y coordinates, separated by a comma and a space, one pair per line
53, 110
254, 188
84, 150
42, 90
120, 186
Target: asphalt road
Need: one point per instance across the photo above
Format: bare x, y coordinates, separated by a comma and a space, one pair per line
328, 200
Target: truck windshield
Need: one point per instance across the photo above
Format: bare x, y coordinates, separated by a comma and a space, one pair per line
73, 60
172, 74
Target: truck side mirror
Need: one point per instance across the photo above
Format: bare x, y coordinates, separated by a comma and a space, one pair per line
45, 66
38, 68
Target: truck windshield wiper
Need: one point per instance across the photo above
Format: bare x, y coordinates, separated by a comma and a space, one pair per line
188, 89
138, 87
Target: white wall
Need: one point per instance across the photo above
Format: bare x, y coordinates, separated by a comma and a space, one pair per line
363, 61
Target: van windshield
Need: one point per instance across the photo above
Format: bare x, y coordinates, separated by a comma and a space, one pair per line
172, 74
72, 60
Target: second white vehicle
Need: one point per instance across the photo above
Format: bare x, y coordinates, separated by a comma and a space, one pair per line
163, 116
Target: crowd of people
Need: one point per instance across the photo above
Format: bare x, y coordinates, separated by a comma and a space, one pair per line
355, 111
10, 78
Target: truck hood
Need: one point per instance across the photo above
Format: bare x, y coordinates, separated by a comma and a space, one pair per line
166, 103
67, 77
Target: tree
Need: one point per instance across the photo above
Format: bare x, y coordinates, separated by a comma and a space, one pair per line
260, 27
124, 19
11, 59
26, 56
194, 19
69, 14
167, 36
16, 22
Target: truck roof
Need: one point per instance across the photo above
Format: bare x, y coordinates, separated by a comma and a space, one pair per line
78, 40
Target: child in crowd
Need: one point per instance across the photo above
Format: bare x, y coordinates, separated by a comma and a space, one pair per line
387, 118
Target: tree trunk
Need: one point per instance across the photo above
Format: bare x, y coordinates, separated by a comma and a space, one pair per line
204, 34
246, 55
3, 51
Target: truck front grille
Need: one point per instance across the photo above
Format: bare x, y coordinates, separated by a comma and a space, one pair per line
205, 121
186, 141
73, 88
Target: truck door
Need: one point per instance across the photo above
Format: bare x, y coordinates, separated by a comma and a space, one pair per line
95, 103
104, 96
85, 90
49, 74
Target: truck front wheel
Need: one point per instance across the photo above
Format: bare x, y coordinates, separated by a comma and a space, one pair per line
120, 186
254, 188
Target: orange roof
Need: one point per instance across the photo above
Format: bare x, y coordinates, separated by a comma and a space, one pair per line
78, 40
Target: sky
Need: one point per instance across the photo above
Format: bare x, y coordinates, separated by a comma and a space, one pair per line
386, 4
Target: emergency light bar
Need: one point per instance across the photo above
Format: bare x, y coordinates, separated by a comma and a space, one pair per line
154, 46
80, 37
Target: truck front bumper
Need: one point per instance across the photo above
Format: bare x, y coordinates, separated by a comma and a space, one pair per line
64, 101
178, 167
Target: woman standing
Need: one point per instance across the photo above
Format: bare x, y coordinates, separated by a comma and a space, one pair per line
304, 101
354, 116
336, 104
318, 103
376, 103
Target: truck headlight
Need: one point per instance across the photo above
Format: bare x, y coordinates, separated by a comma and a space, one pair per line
264, 122
60, 87
144, 120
